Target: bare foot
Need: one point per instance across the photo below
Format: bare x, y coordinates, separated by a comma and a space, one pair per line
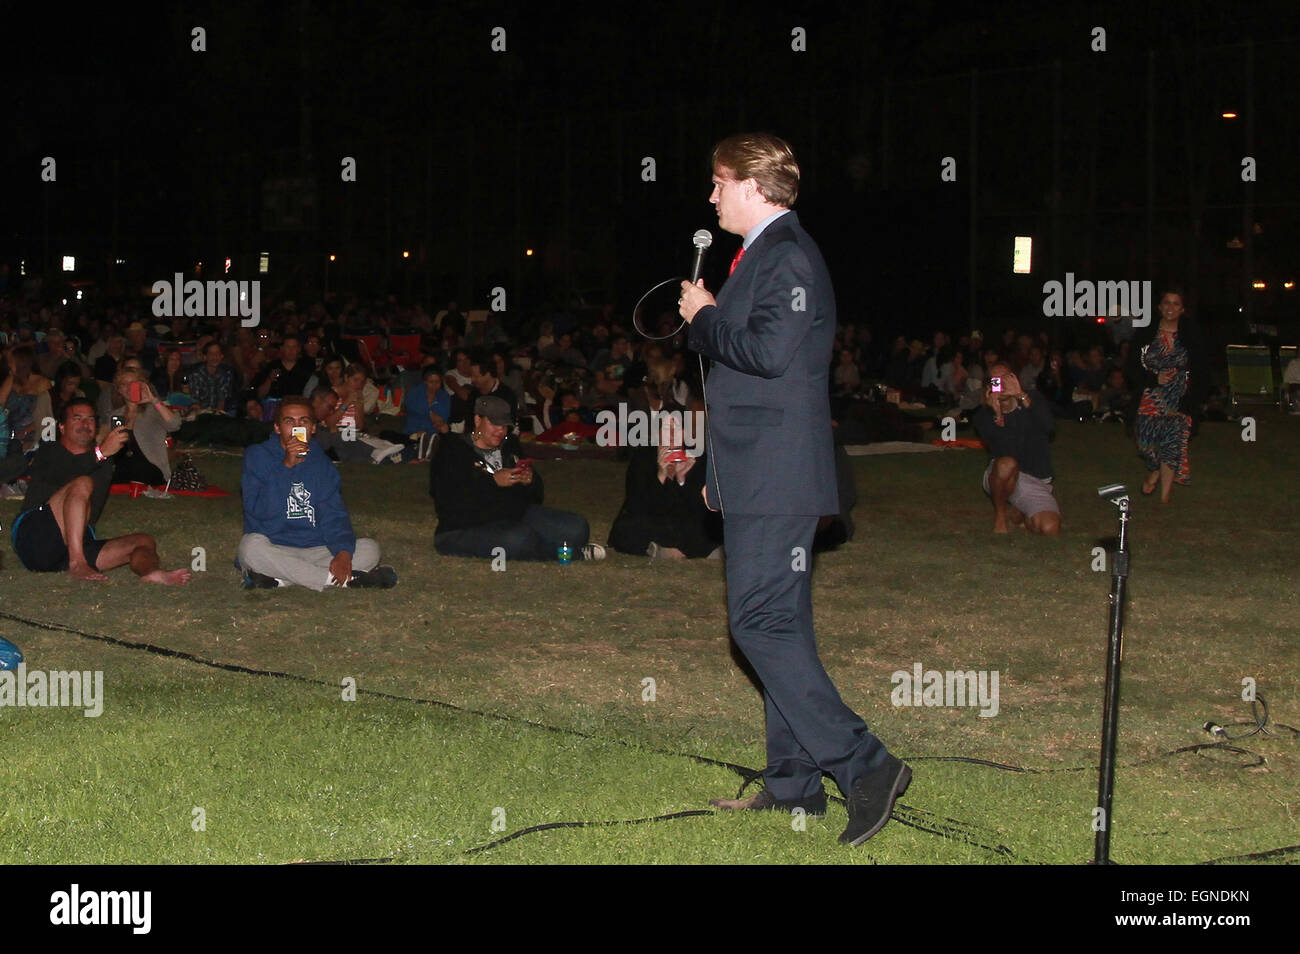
1149, 485
168, 577
84, 571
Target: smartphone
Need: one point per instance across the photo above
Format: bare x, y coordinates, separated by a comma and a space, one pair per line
995, 385
117, 421
135, 392
676, 456
525, 464
300, 434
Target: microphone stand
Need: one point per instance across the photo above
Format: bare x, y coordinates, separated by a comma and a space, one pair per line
1118, 495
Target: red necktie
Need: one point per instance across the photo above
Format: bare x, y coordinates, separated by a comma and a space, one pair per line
740, 253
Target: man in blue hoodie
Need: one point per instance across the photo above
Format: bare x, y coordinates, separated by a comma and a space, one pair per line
296, 526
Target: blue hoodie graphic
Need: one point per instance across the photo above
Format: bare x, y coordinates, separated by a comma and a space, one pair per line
299, 506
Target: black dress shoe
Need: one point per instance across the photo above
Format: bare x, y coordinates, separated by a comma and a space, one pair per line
814, 805
872, 799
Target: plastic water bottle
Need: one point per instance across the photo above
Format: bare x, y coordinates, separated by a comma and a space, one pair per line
565, 553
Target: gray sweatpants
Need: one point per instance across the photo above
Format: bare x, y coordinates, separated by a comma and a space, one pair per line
305, 566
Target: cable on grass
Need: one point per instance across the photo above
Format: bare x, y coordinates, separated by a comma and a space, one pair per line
694, 813
1259, 725
949, 828
1254, 856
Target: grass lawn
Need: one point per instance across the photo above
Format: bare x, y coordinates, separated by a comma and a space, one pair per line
287, 769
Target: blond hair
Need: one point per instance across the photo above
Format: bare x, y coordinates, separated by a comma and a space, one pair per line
766, 159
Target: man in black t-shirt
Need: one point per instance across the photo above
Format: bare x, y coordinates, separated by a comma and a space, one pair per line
288, 376
70, 483
1015, 426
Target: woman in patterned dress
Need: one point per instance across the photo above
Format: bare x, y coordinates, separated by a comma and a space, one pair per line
1167, 366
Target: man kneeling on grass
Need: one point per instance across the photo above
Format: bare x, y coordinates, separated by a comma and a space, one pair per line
296, 526
71, 479
1015, 426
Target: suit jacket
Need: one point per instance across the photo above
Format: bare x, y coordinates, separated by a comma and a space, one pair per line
767, 396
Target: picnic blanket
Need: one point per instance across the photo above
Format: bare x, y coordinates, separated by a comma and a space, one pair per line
910, 447
138, 489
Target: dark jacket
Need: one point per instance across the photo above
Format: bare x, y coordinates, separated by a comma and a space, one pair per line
769, 417
466, 494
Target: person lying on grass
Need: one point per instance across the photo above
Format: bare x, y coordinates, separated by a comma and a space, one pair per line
71, 478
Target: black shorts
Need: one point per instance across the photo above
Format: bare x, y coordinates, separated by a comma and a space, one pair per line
39, 545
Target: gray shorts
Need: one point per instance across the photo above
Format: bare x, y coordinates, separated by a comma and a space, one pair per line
1032, 494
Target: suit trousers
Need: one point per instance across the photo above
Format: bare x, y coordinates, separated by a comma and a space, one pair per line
810, 731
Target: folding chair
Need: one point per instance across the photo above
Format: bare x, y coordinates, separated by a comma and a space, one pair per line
404, 350
369, 349
1250, 375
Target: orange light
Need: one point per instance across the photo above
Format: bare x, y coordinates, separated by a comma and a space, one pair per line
528, 251
1259, 285
1229, 115
406, 255
332, 256
1288, 284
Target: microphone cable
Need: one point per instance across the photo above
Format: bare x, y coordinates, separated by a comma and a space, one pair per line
1258, 712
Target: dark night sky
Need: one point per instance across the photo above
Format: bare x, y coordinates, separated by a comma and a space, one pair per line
464, 155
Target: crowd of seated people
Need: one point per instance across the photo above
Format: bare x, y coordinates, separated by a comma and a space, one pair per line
214, 380
1086, 381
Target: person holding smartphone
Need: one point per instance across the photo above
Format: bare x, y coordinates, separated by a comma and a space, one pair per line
71, 478
1015, 425
663, 514
148, 421
489, 501
297, 530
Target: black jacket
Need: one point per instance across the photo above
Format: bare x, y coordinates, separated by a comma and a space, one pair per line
466, 494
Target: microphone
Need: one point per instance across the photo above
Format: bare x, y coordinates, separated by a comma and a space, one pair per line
702, 240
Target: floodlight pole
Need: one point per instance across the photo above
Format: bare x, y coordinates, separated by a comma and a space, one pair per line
1118, 495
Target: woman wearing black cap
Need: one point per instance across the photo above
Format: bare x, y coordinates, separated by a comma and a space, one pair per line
489, 501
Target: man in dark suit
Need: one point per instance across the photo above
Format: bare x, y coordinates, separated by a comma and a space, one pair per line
772, 474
